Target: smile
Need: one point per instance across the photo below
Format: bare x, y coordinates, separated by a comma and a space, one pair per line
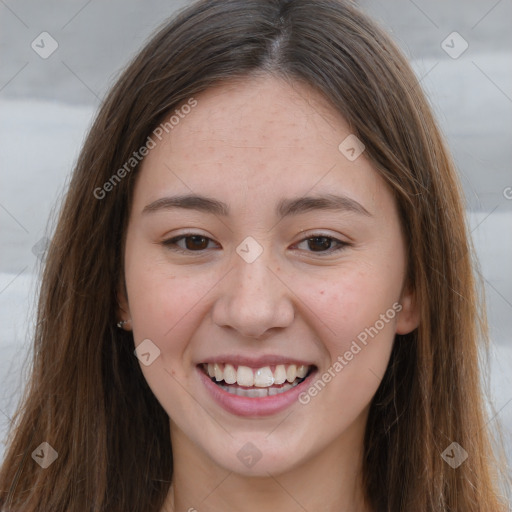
256, 383
261, 389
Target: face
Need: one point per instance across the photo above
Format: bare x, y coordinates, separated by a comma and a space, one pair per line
293, 270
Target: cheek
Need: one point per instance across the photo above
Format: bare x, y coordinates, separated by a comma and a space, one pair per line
354, 300
166, 305
164, 308
162, 304
358, 312
154, 293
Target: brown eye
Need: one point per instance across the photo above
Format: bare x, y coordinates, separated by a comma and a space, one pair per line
190, 243
320, 243
196, 242
193, 243
323, 244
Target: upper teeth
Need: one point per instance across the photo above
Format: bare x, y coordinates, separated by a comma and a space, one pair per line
261, 377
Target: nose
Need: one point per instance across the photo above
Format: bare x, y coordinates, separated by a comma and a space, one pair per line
253, 299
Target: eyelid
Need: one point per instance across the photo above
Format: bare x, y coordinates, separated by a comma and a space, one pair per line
173, 242
341, 244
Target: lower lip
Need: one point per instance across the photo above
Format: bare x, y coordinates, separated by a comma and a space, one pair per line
246, 406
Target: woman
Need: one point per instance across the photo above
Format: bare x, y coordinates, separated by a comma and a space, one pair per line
260, 290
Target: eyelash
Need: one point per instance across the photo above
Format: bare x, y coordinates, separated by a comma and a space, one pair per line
171, 243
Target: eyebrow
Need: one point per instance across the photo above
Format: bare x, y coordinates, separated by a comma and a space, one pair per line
285, 207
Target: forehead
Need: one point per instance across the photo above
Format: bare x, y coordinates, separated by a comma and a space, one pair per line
263, 113
257, 140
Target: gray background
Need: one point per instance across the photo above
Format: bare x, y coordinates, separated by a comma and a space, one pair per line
46, 105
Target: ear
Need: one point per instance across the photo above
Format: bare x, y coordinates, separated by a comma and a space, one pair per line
123, 308
409, 316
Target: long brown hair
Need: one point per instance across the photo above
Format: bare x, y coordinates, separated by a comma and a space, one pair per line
87, 396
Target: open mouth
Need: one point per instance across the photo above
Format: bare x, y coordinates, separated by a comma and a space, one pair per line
256, 382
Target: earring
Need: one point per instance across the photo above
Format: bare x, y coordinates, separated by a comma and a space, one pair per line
122, 323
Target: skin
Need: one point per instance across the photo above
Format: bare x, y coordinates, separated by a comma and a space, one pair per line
250, 144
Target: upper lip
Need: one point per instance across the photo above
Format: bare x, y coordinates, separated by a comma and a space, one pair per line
256, 362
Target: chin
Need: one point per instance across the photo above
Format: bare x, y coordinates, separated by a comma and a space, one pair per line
254, 455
